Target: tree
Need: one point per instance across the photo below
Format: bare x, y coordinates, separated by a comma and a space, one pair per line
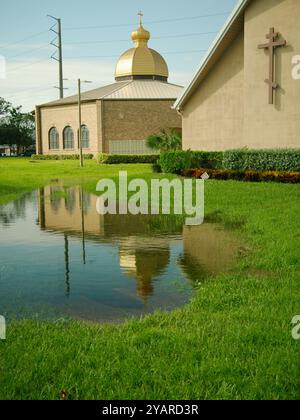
165, 141
17, 128
4, 107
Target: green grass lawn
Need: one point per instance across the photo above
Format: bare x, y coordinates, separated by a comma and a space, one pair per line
232, 341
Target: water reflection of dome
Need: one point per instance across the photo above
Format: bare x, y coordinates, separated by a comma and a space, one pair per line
143, 262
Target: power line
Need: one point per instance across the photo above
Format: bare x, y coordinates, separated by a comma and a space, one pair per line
24, 91
28, 65
154, 37
29, 51
118, 55
23, 40
147, 22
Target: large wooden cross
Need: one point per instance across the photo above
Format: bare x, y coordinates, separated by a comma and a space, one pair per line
271, 45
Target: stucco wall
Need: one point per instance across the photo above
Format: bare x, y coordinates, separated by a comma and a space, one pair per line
213, 117
136, 120
275, 125
230, 108
62, 116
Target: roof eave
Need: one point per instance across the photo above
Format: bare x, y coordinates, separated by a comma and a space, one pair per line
239, 9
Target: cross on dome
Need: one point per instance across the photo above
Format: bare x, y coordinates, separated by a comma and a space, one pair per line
140, 14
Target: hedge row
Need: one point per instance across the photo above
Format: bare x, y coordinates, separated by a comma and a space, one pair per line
238, 160
249, 176
61, 157
262, 160
118, 159
176, 162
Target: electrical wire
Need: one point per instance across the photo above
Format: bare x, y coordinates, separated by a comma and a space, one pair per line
150, 22
154, 37
23, 40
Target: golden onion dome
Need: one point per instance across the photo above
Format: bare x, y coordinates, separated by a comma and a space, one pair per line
141, 62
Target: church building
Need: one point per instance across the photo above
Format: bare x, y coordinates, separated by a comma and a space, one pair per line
116, 118
246, 92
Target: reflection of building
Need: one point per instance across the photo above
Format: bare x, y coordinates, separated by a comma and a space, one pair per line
143, 255
119, 117
71, 211
208, 250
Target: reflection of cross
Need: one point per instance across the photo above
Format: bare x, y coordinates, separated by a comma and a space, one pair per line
271, 45
140, 14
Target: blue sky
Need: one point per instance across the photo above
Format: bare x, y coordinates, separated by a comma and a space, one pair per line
95, 34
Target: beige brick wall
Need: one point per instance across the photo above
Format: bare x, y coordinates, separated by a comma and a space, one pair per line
230, 108
136, 120
62, 116
275, 125
213, 117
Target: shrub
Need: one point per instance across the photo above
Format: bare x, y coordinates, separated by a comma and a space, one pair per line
103, 158
176, 162
262, 160
61, 157
249, 176
156, 168
165, 141
233, 160
209, 160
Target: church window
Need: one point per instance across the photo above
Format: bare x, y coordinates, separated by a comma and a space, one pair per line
85, 137
68, 138
53, 139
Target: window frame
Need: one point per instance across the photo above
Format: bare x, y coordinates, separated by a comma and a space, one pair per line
50, 139
86, 145
67, 141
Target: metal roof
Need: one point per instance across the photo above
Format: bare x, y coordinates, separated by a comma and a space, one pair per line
130, 90
233, 25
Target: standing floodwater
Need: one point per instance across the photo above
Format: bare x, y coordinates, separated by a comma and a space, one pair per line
59, 258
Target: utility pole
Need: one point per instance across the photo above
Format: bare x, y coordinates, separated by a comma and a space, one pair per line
58, 38
80, 123
80, 120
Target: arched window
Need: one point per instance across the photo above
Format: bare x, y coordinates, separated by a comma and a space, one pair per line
68, 138
85, 137
53, 139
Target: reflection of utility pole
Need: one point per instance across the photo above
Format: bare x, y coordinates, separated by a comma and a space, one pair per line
82, 226
67, 265
42, 215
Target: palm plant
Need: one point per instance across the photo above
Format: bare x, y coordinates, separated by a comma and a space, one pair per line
165, 141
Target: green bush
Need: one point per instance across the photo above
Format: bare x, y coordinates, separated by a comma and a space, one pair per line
262, 160
61, 157
101, 158
165, 141
209, 160
156, 168
284, 160
176, 162
249, 176
106, 159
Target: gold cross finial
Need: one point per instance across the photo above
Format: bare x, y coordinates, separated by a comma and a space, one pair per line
140, 14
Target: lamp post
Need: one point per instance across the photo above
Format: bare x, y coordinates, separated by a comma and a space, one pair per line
80, 119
